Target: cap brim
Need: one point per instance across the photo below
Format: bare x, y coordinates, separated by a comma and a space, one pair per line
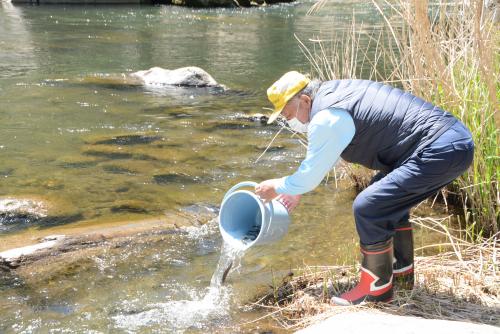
274, 116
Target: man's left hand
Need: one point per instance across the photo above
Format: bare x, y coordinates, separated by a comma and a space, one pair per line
267, 190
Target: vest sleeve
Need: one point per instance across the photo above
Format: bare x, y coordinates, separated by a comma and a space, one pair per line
329, 133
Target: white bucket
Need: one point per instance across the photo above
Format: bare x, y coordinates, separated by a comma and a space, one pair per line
245, 221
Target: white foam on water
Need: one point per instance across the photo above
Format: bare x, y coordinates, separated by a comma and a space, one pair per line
202, 310
206, 230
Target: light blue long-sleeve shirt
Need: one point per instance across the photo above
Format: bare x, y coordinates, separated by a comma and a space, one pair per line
328, 134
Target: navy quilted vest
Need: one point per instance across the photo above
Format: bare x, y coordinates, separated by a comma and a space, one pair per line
391, 124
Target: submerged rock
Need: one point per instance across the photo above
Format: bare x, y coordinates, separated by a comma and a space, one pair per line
139, 152
186, 76
6, 172
132, 206
127, 139
180, 178
201, 209
20, 213
259, 118
77, 161
115, 169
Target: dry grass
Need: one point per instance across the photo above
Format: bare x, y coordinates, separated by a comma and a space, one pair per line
460, 284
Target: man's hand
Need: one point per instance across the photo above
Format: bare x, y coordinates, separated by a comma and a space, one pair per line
289, 201
267, 190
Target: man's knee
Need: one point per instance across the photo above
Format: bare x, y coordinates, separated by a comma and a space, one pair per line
361, 206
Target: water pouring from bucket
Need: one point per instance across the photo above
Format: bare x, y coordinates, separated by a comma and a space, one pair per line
246, 221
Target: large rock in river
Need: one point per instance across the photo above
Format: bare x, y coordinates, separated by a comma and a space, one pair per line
186, 76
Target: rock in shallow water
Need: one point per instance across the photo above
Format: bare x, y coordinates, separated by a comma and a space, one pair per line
177, 178
23, 206
19, 213
127, 139
186, 76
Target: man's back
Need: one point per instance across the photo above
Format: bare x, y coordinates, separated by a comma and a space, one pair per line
390, 123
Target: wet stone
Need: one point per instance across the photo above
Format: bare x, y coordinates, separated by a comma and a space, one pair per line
6, 172
15, 210
76, 161
168, 145
113, 169
259, 118
229, 126
19, 213
139, 152
53, 184
180, 115
201, 209
129, 140
122, 189
130, 206
167, 111
180, 178
276, 148
109, 155
15, 221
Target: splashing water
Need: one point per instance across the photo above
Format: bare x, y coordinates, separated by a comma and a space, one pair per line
229, 256
207, 308
199, 308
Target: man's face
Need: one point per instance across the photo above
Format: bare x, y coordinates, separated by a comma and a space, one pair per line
297, 107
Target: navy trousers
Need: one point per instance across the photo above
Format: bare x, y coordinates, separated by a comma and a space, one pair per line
386, 203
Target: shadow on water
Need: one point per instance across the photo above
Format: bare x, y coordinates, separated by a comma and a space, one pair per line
179, 178
129, 140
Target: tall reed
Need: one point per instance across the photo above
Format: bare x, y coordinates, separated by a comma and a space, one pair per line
446, 53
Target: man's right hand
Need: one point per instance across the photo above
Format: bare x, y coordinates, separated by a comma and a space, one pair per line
289, 201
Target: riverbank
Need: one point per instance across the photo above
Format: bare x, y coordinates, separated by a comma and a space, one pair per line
460, 283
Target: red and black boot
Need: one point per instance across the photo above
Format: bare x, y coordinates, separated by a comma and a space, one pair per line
375, 284
403, 257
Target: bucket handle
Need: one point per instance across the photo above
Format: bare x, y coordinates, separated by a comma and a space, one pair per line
248, 184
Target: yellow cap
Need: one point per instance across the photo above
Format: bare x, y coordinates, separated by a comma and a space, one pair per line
283, 90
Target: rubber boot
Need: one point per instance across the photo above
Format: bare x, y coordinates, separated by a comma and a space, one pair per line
375, 284
403, 257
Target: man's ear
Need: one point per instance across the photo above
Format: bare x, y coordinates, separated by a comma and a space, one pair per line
306, 99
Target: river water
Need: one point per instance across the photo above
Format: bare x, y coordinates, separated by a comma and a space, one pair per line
105, 153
